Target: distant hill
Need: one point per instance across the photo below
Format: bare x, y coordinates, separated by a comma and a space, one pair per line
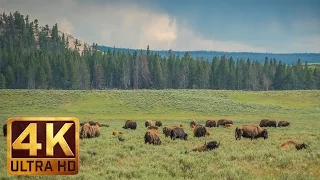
286, 58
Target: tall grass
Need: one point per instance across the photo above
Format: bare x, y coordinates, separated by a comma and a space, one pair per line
132, 159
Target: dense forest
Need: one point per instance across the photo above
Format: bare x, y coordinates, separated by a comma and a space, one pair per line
39, 58
287, 58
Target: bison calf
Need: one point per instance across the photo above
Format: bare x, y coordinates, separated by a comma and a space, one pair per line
223, 122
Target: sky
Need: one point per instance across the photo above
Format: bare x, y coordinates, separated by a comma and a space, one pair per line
274, 26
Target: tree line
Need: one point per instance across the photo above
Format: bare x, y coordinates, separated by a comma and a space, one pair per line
39, 58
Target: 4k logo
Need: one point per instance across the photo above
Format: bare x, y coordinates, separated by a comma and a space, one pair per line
43, 146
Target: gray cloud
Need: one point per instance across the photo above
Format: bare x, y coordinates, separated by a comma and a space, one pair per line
122, 24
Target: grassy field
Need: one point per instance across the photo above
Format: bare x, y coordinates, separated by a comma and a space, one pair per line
132, 159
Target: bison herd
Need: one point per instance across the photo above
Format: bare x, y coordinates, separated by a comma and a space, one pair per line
253, 131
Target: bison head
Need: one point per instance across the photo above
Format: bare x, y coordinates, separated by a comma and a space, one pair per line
185, 136
265, 134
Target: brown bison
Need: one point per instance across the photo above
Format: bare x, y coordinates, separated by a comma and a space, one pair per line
178, 133
211, 123
228, 125
158, 123
130, 124
148, 123
252, 131
298, 146
181, 125
152, 137
223, 122
4, 130
206, 147
192, 123
283, 123
153, 127
88, 131
199, 131
167, 130
267, 123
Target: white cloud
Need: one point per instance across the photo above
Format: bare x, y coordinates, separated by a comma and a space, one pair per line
119, 24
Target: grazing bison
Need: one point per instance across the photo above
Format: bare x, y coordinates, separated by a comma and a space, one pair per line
158, 123
283, 123
228, 125
153, 127
152, 137
298, 146
130, 124
267, 123
4, 130
207, 147
211, 123
88, 131
192, 123
250, 131
148, 123
178, 133
223, 122
167, 130
199, 131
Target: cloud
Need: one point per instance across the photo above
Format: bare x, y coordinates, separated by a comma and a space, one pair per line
130, 25
65, 25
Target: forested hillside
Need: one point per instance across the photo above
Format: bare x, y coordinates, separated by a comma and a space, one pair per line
40, 58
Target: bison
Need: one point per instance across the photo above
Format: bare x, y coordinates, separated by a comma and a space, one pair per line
4, 130
115, 132
228, 125
267, 123
213, 145
250, 131
298, 146
211, 123
199, 131
207, 147
148, 123
223, 122
178, 133
181, 125
283, 123
130, 124
152, 137
167, 130
88, 131
158, 123
192, 123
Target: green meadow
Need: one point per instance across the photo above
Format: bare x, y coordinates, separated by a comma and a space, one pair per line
132, 159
